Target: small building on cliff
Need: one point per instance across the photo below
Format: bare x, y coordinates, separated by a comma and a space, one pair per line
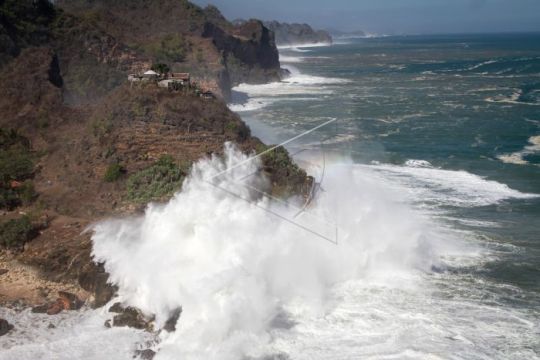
184, 78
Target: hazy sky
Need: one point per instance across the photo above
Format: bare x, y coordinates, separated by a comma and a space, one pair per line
393, 16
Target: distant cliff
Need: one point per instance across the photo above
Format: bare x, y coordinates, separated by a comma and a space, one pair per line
296, 34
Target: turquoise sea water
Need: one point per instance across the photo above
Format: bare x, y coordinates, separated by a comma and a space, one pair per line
454, 118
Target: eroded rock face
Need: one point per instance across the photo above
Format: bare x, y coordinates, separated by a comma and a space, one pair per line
94, 279
250, 52
65, 301
5, 327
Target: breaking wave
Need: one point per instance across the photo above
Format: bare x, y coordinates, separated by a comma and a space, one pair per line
519, 157
255, 287
289, 89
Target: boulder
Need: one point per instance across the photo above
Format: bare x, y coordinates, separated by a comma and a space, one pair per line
5, 327
170, 324
145, 354
70, 301
95, 280
130, 317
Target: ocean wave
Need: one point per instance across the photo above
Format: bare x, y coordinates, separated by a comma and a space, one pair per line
290, 59
518, 157
302, 47
434, 187
260, 96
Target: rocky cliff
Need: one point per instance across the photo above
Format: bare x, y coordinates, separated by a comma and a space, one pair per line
78, 143
297, 34
186, 37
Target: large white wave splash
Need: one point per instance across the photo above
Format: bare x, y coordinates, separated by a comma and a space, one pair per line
234, 268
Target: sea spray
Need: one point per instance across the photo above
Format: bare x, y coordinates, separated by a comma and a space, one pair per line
235, 268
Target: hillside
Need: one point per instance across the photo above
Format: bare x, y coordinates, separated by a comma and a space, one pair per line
78, 143
188, 38
297, 34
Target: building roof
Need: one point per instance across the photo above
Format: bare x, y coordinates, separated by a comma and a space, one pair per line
151, 72
180, 76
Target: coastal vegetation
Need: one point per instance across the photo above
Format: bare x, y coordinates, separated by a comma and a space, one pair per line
157, 181
15, 233
16, 169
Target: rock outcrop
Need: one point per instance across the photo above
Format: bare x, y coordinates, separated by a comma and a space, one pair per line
5, 327
297, 34
130, 317
249, 52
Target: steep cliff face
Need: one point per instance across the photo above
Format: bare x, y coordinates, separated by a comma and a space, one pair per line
297, 34
249, 52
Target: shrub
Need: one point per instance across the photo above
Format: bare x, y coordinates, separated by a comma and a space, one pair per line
16, 164
113, 172
161, 68
157, 181
171, 48
16, 232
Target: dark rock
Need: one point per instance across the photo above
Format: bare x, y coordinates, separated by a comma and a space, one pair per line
51, 326
95, 280
133, 318
145, 354
250, 54
5, 327
40, 309
108, 324
117, 308
3, 271
170, 324
56, 308
70, 301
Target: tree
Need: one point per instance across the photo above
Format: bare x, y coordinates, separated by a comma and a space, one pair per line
161, 68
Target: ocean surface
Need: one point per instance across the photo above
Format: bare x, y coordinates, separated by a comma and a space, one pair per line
428, 180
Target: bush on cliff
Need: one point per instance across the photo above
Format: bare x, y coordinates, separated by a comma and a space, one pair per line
113, 172
16, 232
171, 48
157, 181
16, 167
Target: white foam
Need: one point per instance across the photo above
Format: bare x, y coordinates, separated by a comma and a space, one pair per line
253, 286
435, 187
290, 59
518, 157
302, 47
68, 336
297, 83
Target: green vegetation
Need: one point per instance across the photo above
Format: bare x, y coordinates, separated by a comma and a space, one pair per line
287, 178
16, 232
113, 173
101, 127
16, 168
157, 181
161, 68
171, 48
